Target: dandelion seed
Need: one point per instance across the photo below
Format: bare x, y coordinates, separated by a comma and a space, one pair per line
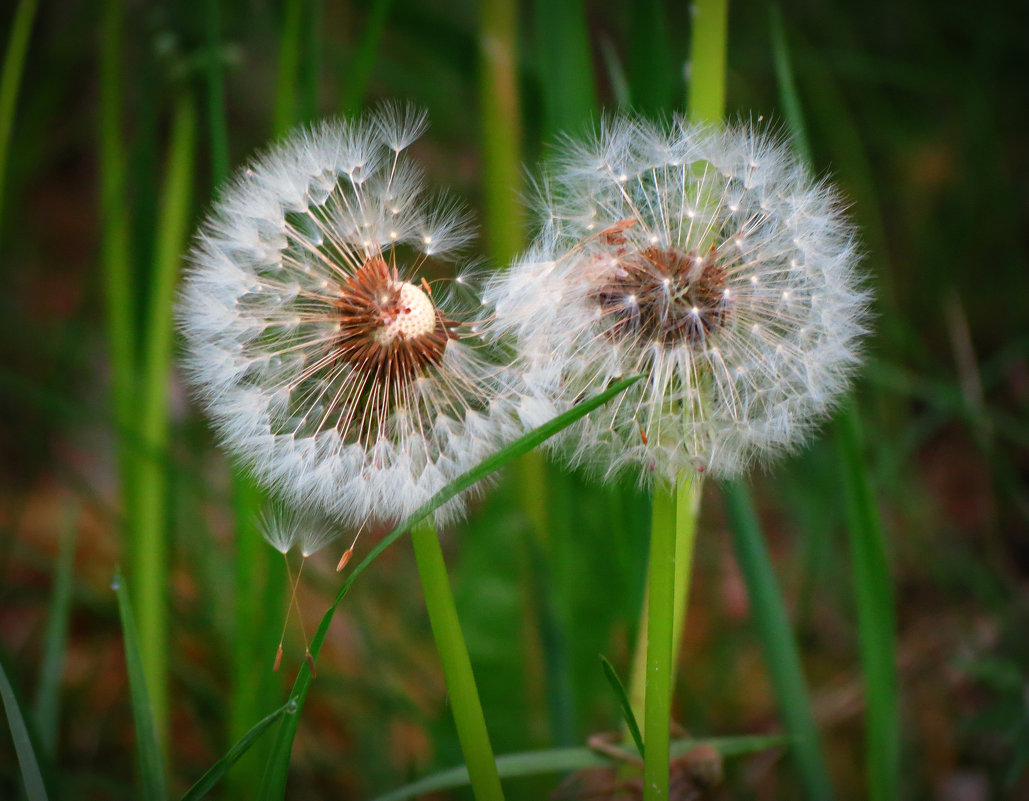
698, 228
316, 344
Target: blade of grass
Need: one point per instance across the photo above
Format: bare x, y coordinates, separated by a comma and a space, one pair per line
274, 784
873, 585
55, 642
216, 118
150, 537
214, 774
148, 752
360, 69
623, 703
876, 623
311, 59
773, 627
289, 65
115, 246
565, 65
650, 72
31, 774
10, 80
562, 760
457, 667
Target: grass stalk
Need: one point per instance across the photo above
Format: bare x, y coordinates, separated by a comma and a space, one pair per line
660, 617
687, 511
10, 79
150, 546
364, 58
457, 667
116, 260
289, 66
501, 127
773, 628
216, 117
709, 38
876, 624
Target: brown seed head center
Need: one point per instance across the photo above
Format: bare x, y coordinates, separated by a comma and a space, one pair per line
663, 295
388, 328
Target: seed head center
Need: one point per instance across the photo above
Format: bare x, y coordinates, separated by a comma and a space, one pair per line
411, 314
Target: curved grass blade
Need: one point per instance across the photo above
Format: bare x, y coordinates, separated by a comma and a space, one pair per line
32, 776
561, 760
55, 648
873, 586
623, 702
777, 642
274, 784
148, 753
214, 774
10, 77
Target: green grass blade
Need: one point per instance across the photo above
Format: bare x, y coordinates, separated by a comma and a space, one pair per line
773, 627
565, 65
55, 642
285, 110
148, 752
623, 702
561, 760
876, 624
216, 117
650, 61
274, 784
873, 586
10, 79
150, 538
214, 774
360, 69
31, 774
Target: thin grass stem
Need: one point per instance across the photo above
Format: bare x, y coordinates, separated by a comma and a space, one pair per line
289, 67
10, 79
360, 68
457, 667
773, 628
150, 545
876, 623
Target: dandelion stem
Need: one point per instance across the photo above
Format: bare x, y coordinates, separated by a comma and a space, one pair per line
457, 667
708, 53
660, 617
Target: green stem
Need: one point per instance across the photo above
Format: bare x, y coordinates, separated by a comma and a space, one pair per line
709, 39
876, 623
687, 510
457, 667
360, 67
660, 616
773, 627
150, 546
10, 79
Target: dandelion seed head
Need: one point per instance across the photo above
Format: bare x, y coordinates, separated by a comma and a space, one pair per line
319, 350
698, 270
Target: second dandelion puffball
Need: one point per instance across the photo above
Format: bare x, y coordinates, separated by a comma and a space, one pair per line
708, 260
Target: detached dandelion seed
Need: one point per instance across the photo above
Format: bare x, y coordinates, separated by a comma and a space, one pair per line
286, 531
708, 260
320, 352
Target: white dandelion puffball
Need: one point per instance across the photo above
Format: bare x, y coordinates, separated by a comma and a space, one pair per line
707, 260
322, 354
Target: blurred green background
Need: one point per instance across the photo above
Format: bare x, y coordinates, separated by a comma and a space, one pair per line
918, 110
